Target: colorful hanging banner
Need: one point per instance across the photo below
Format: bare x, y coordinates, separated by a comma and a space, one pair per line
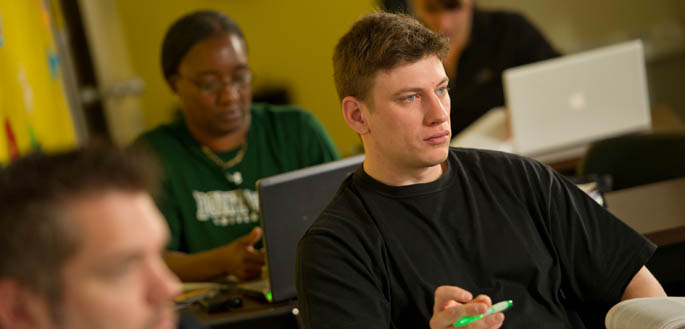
44, 13
12, 147
35, 144
26, 90
2, 35
53, 63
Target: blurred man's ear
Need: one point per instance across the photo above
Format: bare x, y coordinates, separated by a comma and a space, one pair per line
21, 308
354, 112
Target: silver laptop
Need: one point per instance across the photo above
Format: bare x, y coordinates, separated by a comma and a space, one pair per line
559, 106
289, 204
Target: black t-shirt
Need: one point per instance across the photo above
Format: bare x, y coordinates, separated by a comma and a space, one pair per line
494, 224
499, 40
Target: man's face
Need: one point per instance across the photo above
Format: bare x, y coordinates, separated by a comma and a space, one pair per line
454, 23
214, 85
408, 117
118, 279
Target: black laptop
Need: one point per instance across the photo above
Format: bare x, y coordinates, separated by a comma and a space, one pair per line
289, 204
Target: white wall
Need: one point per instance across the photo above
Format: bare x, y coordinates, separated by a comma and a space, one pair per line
581, 24
119, 84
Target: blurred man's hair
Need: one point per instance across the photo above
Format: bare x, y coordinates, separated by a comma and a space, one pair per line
380, 42
446, 4
37, 234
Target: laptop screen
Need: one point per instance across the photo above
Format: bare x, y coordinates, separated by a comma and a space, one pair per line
568, 102
289, 204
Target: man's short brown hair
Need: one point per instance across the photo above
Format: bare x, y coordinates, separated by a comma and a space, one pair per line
380, 42
37, 233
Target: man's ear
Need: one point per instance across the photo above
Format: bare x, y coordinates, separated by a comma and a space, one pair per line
21, 308
354, 112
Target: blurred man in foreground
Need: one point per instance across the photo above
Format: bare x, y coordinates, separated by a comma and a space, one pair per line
81, 242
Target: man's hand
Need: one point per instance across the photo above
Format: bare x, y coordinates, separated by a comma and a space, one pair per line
453, 303
240, 257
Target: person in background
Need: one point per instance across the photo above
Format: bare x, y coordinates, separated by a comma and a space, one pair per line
424, 234
81, 242
214, 154
482, 44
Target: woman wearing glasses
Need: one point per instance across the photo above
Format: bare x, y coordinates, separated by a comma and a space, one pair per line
219, 148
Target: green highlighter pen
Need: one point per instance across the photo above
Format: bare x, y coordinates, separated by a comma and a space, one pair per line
499, 307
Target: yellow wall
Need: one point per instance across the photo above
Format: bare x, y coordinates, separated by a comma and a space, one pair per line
290, 43
31, 98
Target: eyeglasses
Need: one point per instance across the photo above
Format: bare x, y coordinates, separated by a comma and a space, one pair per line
238, 82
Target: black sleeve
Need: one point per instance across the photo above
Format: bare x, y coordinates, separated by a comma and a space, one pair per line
599, 254
338, 280
532, 46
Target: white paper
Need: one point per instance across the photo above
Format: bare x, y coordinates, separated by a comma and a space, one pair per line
647, 313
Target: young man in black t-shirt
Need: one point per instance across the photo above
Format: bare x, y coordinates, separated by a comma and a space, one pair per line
420, 229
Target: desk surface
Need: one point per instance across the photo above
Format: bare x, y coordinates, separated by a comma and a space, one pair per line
655, 210
252, 316
253, 313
